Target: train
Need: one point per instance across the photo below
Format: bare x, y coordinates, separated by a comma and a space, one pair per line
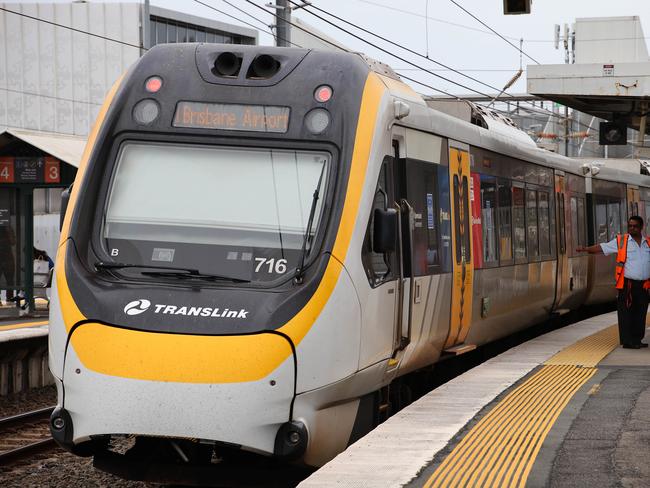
260, 242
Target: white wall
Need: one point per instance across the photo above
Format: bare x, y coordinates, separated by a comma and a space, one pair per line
46, 233
610, 40
53, 79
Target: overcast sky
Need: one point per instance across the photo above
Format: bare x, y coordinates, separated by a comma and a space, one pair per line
454, 37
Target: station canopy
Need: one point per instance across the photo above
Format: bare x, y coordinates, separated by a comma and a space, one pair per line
66, 148
610, 77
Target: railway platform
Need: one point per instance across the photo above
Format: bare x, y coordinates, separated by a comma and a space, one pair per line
23, 355
569, 409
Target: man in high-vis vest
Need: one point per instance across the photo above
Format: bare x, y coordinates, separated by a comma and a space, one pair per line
632, 279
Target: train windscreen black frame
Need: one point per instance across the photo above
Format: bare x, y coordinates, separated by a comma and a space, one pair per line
238, 212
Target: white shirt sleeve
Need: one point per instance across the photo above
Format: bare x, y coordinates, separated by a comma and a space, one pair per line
609, 247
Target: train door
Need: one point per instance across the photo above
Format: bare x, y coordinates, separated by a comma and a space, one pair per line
421, 178
560, 222
461, 237
408, 219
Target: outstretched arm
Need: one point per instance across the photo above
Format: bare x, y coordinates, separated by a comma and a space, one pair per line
595, 249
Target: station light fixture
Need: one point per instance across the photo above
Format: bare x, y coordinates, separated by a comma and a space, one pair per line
612, 133
516, 7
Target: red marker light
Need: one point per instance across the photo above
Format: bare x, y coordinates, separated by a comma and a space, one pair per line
153, 84
323, 93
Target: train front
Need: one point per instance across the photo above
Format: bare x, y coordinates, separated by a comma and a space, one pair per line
197, 251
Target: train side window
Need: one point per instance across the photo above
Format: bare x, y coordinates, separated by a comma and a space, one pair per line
467, 222
504, 220
575, 241
421, 186
582, 227
457, 225
431, 215
614, 219
378, 267
531, 225
519, 222
601, 220
544, 223
488, 219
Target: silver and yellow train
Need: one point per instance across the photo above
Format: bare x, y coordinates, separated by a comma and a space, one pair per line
260, 241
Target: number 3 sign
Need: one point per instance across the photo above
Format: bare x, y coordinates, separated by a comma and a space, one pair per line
52, 170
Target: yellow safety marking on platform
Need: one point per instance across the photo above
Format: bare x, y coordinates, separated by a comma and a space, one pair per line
23, 325
501, 448
589, 351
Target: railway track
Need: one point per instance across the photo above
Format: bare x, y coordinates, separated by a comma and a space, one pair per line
24, 435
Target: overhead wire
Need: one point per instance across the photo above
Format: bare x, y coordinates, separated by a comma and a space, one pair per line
80, 31
248, 14
308, 7
267, 28
425, 16
61, 99
383, 50
393, 43
487, 26
463, 26
261, 22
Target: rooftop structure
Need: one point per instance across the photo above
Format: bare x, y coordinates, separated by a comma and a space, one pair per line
610, 76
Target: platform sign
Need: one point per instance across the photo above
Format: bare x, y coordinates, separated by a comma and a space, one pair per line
28, 170
6, 170
52, 173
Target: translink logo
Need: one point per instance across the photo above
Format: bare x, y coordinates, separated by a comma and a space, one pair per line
136, 307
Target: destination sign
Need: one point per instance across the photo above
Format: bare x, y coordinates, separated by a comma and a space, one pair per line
256, 118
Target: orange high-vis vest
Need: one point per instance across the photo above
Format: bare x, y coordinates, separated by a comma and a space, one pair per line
621, 257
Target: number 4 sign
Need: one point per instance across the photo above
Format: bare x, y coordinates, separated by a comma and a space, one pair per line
52, 170
6, 170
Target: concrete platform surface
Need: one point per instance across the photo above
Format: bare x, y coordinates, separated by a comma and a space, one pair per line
408, 448
22, 329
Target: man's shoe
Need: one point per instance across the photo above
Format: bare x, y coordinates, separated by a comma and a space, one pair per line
643, 344
631, 346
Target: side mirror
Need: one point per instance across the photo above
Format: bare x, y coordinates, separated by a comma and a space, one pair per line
384, 233
65, 199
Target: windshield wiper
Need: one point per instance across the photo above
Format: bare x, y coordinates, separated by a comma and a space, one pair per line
193, 276
300, 270
169, 271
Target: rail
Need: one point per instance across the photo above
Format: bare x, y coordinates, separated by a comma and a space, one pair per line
24, 435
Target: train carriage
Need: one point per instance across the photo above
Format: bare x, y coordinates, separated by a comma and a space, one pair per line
260, 241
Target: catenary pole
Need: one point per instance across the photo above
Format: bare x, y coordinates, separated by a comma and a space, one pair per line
283, 28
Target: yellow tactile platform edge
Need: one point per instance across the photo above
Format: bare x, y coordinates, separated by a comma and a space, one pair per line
23, 325
501, 448
589, 351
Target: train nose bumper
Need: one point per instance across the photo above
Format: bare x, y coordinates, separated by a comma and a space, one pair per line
238, 392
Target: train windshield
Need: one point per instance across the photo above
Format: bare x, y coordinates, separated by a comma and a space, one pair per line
234, 212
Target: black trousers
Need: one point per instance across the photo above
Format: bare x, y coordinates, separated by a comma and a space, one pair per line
632, 306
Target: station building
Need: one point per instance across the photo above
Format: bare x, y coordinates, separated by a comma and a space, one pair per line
57, 62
